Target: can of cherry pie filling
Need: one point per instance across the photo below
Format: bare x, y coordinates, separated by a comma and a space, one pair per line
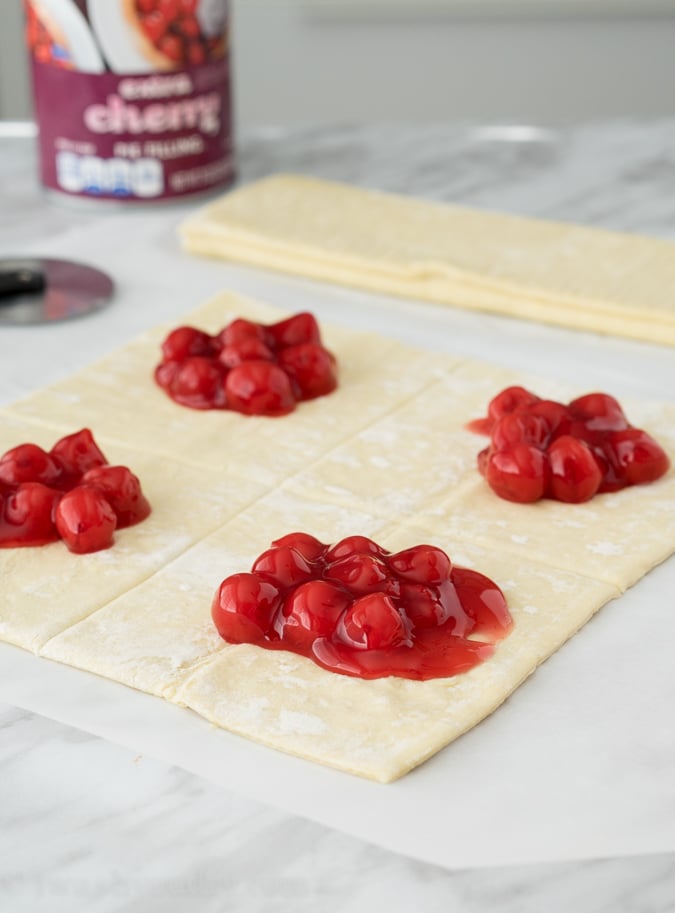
132, 97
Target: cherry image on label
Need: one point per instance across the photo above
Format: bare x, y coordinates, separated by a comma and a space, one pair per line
543, 449
69, 492
43, 45
248, 367
356, 609
173, 27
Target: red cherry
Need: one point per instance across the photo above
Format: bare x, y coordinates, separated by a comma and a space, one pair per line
198, 383
373, 622
296, 330
575, 474
609, 478
78, 453
28, 463
189, 6
359, 573
172, 47
421, 605
517, 474
85, 520
578, 429
250, 349
189, 27
282, 566
243, 608
428, 607
555, 415
599, 412
195, 54
30, 510
122, 490
170, 9
309, 547
422, 564
520, 427
259, 388
637, 456
239, 330
509, 400
166, 372
312, 369
354, 545
312, 610
185, 342
154, 25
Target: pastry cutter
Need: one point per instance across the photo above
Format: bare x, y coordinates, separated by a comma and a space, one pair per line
42, 290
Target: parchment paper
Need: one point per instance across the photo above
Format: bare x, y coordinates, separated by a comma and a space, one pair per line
577, 764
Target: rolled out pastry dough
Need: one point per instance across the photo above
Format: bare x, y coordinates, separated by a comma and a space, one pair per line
563, 274
47, 589
387, 456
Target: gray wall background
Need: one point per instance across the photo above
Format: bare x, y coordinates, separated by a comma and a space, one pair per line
309, 61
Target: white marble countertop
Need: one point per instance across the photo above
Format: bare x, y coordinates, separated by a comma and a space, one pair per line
87, 825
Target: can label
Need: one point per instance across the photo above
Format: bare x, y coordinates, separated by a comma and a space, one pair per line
132, 97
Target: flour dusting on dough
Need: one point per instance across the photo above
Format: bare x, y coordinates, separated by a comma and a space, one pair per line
605, 548
292, 721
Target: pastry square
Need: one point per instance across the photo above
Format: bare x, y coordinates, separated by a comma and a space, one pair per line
616, 537
48, 589
382, 728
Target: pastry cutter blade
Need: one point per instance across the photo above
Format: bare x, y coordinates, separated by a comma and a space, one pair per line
44, 290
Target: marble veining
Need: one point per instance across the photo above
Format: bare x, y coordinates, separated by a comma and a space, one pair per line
87, 825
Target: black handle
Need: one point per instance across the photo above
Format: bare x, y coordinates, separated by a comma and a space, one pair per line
20, 280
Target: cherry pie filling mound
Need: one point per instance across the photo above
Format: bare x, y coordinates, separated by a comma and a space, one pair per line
540, 448
359, 610
173, 27
69, 493
248, 367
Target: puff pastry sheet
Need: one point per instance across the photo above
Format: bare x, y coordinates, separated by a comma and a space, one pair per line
555, 273
386, 455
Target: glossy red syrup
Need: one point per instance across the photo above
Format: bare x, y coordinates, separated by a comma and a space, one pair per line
69, 492
173, 28
359, 610
248, 367
543, 449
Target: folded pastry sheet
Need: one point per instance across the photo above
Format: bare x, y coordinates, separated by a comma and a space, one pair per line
556, 273
388, 456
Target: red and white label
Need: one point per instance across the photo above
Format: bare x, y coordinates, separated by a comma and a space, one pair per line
132, 97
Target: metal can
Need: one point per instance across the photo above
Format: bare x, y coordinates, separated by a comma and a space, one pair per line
132, 97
